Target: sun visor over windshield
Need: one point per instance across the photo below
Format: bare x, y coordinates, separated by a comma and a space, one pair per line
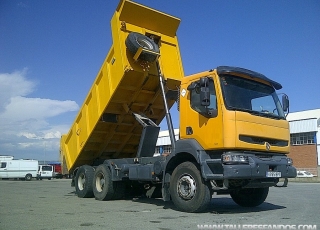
252, 74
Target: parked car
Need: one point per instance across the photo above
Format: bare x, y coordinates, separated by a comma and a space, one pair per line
304, 174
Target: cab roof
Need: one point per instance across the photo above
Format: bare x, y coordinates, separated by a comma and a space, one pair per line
252, 74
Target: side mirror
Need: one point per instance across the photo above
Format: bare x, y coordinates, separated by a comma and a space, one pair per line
204, 91
285, 103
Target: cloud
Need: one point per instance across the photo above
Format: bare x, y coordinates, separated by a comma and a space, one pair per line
47, 135
26, 126
14, 84
22, 5
23, 108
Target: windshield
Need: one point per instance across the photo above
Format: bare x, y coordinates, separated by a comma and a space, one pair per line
250, 96
46, 168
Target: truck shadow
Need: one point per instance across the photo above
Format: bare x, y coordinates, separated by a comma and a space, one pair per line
222, 205
225, 205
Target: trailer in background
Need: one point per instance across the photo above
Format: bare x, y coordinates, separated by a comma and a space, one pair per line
59, 173
17, 169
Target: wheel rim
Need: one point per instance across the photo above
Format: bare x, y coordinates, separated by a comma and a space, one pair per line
186, 187
144, 43
100, 182
81, 181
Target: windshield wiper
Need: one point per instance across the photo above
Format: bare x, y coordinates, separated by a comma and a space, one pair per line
271, 115
253, 112
243, 110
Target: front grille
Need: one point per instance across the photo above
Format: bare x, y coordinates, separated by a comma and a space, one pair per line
263, 156
262, 141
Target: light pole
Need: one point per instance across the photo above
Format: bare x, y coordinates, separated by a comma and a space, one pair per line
44, 154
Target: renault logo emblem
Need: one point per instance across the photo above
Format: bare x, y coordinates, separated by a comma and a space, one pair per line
268, 146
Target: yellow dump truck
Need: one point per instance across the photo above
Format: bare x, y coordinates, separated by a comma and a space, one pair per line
234, 136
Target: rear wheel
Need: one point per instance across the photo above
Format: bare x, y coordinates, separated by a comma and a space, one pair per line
103, 186
83, 181
28, 177
188, 191
249, 197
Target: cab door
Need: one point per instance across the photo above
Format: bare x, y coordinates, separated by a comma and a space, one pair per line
201, 119
3, 169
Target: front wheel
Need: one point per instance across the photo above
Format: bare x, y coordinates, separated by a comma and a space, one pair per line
249, 197
188, 191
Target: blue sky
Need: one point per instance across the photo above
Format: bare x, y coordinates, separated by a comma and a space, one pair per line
51, 51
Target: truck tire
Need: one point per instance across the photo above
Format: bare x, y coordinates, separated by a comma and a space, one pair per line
83, 181
249, 197
28, 177
188, 191
136, 40
103, 186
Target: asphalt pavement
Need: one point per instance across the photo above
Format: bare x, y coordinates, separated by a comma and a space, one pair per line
53, 205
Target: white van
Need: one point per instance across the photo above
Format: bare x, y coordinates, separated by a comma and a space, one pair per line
45, 171
20, 169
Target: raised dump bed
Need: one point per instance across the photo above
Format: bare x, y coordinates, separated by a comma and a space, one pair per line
105, 126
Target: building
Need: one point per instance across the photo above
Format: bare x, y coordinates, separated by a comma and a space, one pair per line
304, 140
163, 145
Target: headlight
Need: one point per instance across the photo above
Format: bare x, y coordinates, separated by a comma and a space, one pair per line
290, 161
238, 159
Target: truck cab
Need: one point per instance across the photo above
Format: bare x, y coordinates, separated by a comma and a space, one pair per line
233, 129
237, 109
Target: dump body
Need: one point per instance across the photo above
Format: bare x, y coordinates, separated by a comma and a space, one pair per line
105, 127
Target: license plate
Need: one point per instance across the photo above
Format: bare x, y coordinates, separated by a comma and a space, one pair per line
273, 174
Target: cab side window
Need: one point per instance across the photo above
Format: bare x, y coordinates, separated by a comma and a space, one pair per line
3, 165
195, 99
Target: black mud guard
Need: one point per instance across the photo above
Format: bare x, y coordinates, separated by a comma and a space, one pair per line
190, 146
116, 164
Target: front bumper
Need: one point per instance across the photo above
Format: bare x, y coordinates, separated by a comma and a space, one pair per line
273, 167
256, 167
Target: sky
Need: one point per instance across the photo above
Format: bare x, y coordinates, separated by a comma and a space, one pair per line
51, 52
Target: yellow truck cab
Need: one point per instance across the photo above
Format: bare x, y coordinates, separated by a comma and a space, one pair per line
234, 136
242, 111
233, 123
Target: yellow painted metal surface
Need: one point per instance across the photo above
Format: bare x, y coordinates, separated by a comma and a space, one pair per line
207, 131
123, 86
222, 132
